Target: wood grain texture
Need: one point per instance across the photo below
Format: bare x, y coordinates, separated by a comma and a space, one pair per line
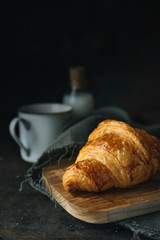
109, 206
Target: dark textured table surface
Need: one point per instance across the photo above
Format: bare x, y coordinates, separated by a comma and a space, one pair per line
29, 214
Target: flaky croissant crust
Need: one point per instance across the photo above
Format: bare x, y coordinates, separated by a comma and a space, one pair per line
116, 155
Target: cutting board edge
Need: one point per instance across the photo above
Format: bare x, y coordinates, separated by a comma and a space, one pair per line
112, 215
73, 209
134, 210
106, 216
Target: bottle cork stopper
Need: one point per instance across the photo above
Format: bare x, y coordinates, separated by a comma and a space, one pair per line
77, 78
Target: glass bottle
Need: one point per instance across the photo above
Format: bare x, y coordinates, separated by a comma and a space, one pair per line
81, 101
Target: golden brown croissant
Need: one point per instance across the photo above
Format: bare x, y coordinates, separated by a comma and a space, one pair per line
116, 155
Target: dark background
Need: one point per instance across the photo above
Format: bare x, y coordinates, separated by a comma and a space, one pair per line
117, 41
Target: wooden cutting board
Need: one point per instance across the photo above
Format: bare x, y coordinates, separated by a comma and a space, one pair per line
109, 206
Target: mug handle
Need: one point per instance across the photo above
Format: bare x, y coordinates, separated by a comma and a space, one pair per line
12, 130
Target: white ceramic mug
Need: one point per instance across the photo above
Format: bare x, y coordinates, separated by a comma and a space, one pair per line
39, 125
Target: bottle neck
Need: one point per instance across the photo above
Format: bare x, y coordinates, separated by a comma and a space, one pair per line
73, 89
77, 78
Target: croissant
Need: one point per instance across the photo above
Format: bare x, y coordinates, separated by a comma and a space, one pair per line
116, 155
